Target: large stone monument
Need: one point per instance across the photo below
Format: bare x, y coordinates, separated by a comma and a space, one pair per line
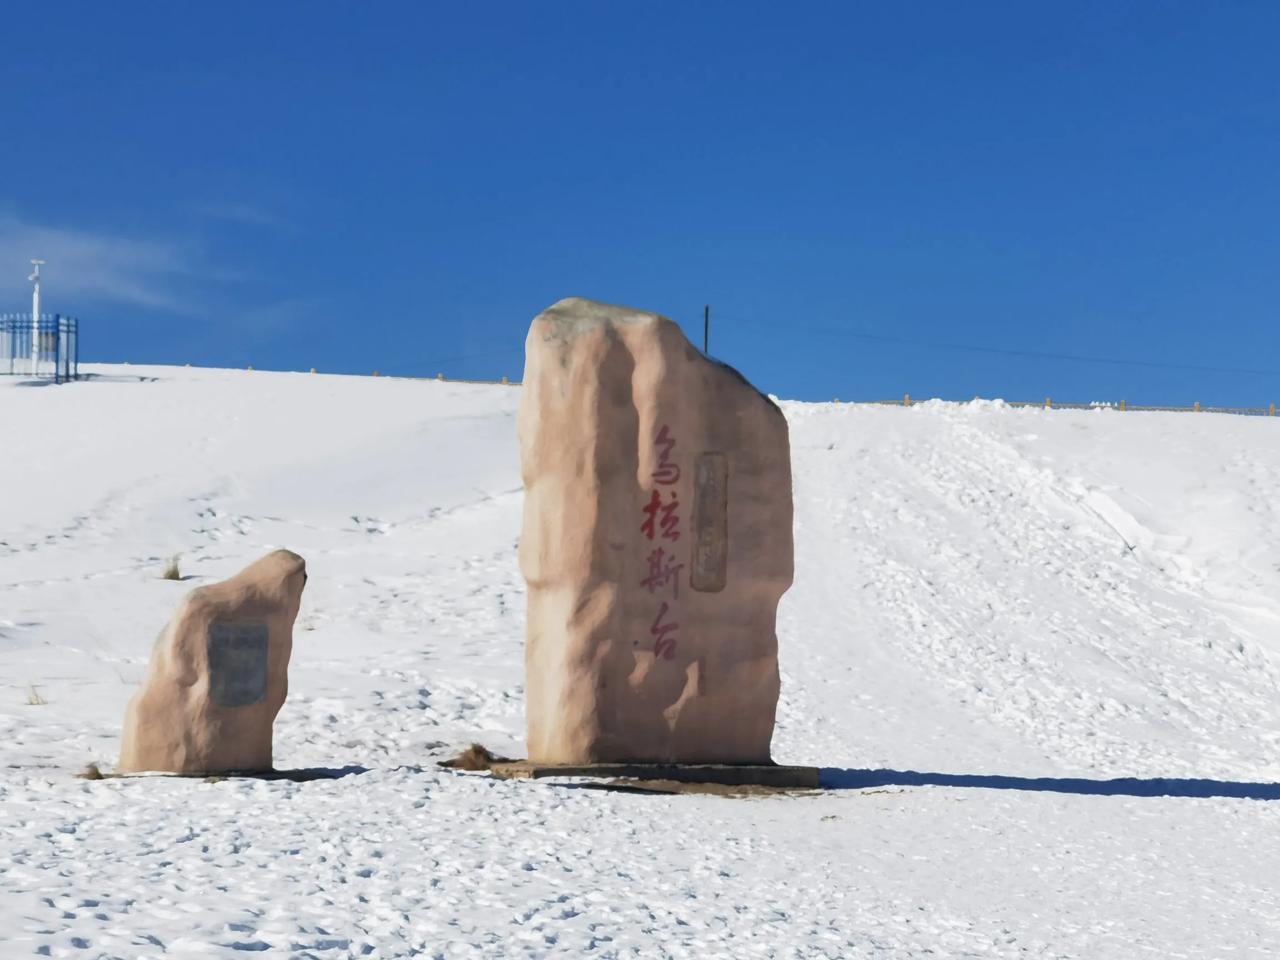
218, 676
656, 544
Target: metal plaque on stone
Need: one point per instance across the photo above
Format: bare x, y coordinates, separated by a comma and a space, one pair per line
237, 663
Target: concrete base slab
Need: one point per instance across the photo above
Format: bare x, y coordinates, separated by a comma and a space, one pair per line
720, 774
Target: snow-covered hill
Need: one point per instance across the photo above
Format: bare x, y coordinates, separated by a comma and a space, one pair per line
997, 613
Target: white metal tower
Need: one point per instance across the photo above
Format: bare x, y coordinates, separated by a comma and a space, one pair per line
35, 317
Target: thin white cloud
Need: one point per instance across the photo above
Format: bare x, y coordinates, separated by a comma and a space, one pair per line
88, 266
270, 319
237, 212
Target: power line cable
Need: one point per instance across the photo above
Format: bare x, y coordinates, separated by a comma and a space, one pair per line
1008, 352
457, 358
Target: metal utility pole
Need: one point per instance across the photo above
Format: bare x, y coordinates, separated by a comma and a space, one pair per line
706, 327
35, 317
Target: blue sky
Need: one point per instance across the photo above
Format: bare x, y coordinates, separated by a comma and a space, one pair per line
936, 198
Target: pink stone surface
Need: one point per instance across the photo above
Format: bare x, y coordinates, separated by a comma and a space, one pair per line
219, 674
656, 544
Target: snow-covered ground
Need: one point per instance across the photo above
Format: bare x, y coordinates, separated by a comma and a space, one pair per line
996, 614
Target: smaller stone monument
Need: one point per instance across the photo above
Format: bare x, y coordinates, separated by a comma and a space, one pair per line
218, 676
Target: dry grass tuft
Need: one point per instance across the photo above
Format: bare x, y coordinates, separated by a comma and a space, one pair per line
34, 699
475, 757
171, 571
91, 772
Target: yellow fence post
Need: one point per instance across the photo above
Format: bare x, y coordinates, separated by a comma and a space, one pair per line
504, 380
1197, 407
906, 399
1122, 406
1048, 403
1273, 410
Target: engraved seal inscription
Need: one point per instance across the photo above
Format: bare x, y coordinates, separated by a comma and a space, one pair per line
710, 566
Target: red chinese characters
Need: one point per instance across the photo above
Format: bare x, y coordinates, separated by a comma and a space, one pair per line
663, 572
667, 472
662, 522
661, 518
664, 634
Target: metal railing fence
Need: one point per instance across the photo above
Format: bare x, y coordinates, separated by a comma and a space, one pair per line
57, 346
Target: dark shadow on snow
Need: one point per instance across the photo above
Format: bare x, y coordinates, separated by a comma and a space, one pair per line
836, 779
304, 775
115, 378
42, 381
